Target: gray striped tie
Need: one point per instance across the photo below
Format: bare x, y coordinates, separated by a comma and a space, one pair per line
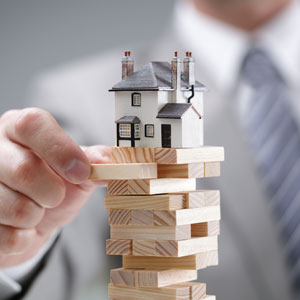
274, 138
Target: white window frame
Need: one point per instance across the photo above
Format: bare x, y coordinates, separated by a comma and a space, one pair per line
147, 127
137, 131
136, 99
125, 130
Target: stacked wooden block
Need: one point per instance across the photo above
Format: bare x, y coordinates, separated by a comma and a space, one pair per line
163, 227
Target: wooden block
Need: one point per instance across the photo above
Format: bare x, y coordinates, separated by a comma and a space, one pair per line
205, 229
137, 232
212, 169
180, 171
201, 198
171, 248
160, 278
188, 155
150, 186
191, 262
148, 202
171, 292
122, 277
131, 217
118, 247
132, 155
197, 290
210, 297
187, 216
123, 171
164, 217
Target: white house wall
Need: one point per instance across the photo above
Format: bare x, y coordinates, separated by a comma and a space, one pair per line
192, 129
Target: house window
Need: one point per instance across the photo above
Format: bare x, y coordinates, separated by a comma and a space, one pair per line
136, 131
149, 130
136, 99
125, 131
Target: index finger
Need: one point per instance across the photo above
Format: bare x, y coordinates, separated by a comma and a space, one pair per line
37, 130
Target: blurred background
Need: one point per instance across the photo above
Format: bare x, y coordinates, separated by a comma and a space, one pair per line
36, 35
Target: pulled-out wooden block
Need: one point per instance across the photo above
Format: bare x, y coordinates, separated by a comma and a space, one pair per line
164, 217
187, 216
197, 290
150, 186
189, 155
180, 171
147, 202
123, 171
212, 169
136, 232
119, 247
190, 262
172, 248
210, 228
201, 198
150, 278
172, 292
132, 155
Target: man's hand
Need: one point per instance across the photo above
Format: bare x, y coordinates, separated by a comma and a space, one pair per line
43, 181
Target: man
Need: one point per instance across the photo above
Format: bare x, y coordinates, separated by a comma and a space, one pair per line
227, 38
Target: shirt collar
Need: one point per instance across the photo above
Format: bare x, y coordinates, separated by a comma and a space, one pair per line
221, 48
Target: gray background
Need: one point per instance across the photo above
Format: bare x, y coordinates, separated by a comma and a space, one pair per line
39, 34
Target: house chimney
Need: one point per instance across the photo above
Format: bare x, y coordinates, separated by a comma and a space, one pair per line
127, 65
176, 75
189, 68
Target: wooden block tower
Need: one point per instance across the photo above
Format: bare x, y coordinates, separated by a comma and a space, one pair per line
165, 229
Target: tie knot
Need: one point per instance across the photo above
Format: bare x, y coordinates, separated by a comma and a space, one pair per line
258, 69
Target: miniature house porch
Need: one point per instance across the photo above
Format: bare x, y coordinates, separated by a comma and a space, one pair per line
153, 111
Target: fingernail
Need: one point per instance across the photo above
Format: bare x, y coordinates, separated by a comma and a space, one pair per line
77, 171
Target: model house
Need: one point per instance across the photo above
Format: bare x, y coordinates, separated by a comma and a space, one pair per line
159, 105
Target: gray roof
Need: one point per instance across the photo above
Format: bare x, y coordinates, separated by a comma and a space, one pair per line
128, 119
153, 76
175, 110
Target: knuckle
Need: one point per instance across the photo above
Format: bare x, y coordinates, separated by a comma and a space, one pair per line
14, 240
7, 115
29, 121
25, 213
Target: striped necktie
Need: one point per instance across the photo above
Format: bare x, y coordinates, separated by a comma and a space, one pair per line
274, 139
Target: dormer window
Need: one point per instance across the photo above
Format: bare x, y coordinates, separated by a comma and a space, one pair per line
136, 99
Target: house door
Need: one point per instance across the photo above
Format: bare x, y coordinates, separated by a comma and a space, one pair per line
166, 135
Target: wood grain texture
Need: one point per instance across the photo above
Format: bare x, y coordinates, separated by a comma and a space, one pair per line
180, 171
131, 217
150, 186
212, 169
136, 232
197, 290
201, 198
210, 228
161, 278
190, 262
118, 247
166, 293
123, 171
189, 155
187, 216
172, 248
148, 202
150, 278
132, 155
164, 217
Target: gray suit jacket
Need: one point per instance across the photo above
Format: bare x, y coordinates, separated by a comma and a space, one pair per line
251, 259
